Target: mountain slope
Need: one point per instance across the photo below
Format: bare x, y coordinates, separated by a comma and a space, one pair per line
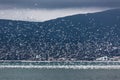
79, 37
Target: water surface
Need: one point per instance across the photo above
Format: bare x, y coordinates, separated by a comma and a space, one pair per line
59, 74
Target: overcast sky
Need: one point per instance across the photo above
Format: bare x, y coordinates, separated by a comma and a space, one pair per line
52, 4
69, 7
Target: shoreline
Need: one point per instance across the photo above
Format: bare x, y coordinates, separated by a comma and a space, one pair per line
60, 67
50, 61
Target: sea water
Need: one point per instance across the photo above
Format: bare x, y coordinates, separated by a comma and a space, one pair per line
59, 70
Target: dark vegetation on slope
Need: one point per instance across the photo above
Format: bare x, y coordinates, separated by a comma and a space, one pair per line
79, 37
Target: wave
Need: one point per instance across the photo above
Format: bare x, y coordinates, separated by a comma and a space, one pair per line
62, 67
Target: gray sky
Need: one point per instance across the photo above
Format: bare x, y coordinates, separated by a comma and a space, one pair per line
53, 4
42, 10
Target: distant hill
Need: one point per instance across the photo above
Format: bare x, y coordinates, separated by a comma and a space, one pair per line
79, 37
